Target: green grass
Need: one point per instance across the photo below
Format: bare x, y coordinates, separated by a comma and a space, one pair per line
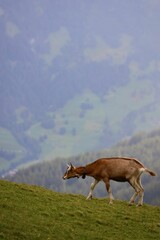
9, 144
30, 212
8, 141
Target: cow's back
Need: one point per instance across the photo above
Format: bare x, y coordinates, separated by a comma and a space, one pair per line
117, 168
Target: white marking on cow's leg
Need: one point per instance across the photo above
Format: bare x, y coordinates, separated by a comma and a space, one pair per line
140, 202
131, 202
132, 183
93, 184
111, 198
141, 193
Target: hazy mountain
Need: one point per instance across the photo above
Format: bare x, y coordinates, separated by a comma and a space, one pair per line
75, 75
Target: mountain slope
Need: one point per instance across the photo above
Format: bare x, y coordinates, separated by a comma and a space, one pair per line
75, 76
29, 212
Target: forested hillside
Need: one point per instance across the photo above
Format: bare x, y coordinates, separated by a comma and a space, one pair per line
144, 146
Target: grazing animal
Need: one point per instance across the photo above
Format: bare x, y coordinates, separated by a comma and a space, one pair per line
120, 169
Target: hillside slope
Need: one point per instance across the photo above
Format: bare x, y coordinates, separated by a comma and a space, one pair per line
29, 212
143, 146
75, 76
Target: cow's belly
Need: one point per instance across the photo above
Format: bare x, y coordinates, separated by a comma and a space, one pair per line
119, 179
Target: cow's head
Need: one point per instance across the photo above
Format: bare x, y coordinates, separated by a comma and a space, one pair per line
70, 172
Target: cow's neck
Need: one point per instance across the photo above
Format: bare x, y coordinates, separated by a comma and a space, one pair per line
81, 171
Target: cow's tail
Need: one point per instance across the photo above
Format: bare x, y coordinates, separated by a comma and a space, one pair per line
150, 172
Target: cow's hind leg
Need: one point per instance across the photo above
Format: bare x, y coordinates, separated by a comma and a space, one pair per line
91, 189
141, 192
135, 182
132, 183
139, 187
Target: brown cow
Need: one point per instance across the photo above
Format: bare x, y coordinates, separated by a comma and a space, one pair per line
120, 169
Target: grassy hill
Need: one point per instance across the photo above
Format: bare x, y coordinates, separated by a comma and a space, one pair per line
29, 212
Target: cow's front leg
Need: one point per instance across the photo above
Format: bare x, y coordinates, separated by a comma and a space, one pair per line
107, 183
93, 184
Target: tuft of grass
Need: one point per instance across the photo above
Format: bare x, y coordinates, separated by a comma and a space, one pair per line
31, 212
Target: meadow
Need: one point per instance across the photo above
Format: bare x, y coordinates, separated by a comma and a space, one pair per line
31, 212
